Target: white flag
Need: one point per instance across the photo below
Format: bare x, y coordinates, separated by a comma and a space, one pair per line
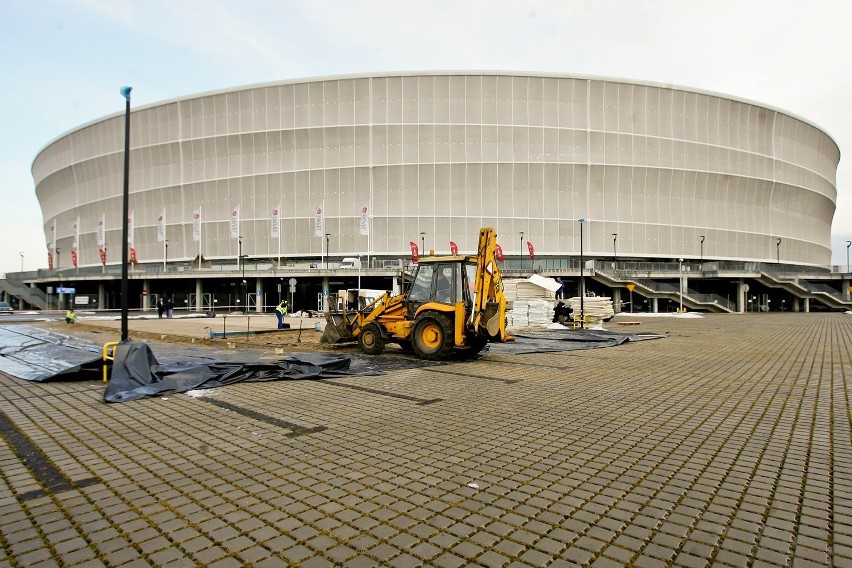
365, 219
319, 222
102, 231
196, 225
75, 234
130, 230
235, 223
161, 227
276, 222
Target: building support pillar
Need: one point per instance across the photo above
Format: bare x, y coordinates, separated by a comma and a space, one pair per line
146, 295
807, 304
741, 296
199, 295
616, 300
846, 284
102, 296
654, 306
258, 295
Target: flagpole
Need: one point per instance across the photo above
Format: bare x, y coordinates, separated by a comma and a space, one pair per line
199, 237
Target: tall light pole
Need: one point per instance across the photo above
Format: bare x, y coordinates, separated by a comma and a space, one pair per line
423, 243
582, 221
125, 211
22, 260
680, 280
521, 251
848, 244
702, 247
327, 237
165, 254
614, 249
778, 251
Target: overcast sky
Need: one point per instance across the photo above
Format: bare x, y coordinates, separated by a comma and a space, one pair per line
63, 62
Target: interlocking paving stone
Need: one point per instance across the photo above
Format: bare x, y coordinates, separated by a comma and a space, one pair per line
728, 441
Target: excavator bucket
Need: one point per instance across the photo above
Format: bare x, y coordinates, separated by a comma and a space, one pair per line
336, 329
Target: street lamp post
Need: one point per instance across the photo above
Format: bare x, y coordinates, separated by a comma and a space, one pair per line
327, 237
22, 260
702, 247
423, 243
521, 251
848, 244
57, 257
680, 281
778, 251
165, 255
125, 210
582, 220
614, 249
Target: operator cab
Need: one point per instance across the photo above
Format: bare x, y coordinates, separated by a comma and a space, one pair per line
443, 281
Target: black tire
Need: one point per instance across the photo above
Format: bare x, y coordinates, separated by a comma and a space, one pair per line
406, 346
477, 344
432, 336
370, 339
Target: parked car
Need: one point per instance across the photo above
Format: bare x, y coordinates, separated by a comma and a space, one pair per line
5, 308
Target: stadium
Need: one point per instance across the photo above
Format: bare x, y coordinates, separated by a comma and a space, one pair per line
257, 185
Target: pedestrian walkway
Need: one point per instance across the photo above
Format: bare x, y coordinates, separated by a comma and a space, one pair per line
727, 443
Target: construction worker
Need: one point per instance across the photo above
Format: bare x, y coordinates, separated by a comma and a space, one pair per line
70, 316
280, 312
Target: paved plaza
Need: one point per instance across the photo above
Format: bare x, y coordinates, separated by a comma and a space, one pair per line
727, 443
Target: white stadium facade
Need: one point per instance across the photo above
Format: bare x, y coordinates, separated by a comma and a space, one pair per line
727, 200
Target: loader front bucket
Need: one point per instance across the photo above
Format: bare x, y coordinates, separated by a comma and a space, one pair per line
337, 329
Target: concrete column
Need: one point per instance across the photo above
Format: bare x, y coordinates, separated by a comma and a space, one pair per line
845, 289
146, 297
654, 307
807, 302
258, 294
325, 295
616, 300
101, 296
199, 295
741, 297
794, 304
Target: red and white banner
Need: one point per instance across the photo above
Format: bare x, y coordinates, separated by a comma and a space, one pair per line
133, 256
130, 228
102, 230
74, 258
50, 260
196, 225
498, 252
103, 255
531, 249
364, 228
415, 257
319, 222
454, 249
161, 227
276, 222
235, 223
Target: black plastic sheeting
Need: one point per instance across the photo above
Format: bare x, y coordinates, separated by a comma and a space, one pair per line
566, 340
42, 355
136, 373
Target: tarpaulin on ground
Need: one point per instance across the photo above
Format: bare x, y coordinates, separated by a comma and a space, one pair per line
136, 373
565, 340
42, 355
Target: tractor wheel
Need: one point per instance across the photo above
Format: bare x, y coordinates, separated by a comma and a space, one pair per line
405, 345
370, 339
432, 336
477, 344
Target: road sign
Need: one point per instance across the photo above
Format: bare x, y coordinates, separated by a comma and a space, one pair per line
292, 282
144, 292
292, 289
66, 290
631, 287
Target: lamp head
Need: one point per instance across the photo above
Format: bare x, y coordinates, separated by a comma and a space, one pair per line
125, 92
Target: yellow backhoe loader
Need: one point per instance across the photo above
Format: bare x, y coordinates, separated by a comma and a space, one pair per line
455, 304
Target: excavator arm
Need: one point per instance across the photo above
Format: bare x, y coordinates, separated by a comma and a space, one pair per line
489, 302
